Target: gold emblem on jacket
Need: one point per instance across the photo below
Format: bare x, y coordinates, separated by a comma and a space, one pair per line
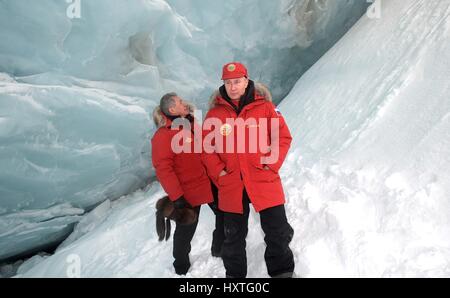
226, 129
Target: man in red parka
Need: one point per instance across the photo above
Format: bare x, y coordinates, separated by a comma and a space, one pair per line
182, 175
246, 141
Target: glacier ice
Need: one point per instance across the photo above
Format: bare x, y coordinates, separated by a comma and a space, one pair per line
76, 93
88, 223
170, 44
67, 146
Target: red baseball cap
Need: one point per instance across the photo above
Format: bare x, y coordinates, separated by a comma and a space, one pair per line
234, 70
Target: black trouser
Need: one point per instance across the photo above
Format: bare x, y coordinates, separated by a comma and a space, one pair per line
278, 234
182, 245
218, 233
184, 233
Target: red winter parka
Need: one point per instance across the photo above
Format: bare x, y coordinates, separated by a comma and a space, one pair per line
180, 174
244, 163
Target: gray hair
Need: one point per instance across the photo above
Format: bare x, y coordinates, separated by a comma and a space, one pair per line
167, 102
162, 110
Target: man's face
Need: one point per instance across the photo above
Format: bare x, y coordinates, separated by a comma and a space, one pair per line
236, 87
180, 108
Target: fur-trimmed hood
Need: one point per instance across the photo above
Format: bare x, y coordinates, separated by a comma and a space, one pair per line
261, 90
161, 120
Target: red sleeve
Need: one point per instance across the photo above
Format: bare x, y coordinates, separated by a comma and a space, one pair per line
213, 164
163, 162
285, 137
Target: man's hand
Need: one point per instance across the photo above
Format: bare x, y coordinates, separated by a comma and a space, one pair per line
266, 168
181, 203
223, 173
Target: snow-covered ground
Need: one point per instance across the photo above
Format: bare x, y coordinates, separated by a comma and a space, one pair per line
372, 122
367, 180
122, 242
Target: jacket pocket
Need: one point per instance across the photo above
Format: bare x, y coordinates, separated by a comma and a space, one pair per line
226, 180
262, 175
229, 186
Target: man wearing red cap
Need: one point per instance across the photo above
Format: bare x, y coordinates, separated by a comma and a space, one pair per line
245, 171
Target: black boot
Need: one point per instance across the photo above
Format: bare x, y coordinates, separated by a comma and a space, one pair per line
284, 275
181, 269
216, 251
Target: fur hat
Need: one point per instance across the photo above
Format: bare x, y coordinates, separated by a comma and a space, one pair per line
165, 211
